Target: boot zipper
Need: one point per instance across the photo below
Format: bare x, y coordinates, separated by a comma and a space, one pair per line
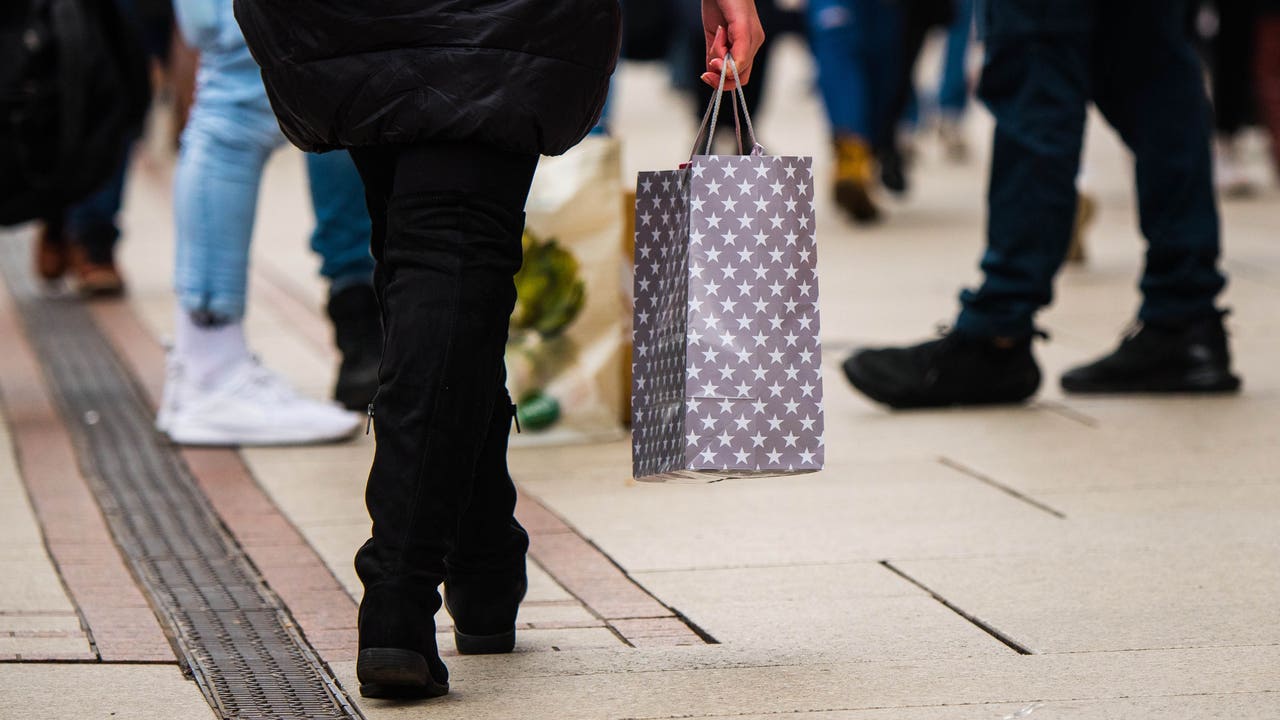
368, 427
515, 416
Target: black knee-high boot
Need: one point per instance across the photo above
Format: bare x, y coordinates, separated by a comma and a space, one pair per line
446, 262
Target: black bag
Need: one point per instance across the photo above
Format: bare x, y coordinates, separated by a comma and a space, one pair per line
73, 92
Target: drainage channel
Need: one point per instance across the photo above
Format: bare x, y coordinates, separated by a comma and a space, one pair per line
232, 634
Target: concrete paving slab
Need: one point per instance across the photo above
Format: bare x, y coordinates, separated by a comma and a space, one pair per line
1175, 597
137, 692
864, 512
850, 612
1177, 707
654, 685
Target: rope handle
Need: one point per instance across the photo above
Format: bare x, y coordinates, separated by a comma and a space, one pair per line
711, 118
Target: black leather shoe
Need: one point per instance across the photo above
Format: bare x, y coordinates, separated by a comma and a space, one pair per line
1189, 358
952, 370
357, 331
398, 657
484, 609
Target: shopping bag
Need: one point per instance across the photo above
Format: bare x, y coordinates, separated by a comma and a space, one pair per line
727, 370
567, 347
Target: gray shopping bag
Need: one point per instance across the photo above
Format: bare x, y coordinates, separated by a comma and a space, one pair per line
727, 372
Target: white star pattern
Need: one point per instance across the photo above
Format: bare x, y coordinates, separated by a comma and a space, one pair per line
727, 362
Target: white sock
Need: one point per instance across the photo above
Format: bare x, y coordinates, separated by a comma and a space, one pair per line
208, 354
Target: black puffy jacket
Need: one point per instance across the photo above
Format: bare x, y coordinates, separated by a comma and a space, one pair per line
525, 75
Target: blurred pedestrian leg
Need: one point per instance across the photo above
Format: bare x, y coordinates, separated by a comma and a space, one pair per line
953, 91
1267, 73
216, 391
1043, 66
341, 239
855, 44
1231, 53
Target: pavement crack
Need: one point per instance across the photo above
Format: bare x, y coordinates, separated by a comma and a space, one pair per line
1011, 492
975, 620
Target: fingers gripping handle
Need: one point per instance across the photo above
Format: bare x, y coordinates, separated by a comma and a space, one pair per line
711, 118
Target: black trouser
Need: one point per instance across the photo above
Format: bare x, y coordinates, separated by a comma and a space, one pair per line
1133, 59
447, 223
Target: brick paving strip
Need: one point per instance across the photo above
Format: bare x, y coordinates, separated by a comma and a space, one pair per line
117, 618
319, 604
605, 590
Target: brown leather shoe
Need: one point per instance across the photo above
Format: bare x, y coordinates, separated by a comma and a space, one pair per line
95, 279
52, 252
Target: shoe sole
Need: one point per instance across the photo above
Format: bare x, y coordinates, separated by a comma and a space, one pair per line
396, 674
498, 644
898, 402
201, 436
1218, 385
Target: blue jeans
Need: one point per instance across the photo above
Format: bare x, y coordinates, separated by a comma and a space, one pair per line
856, 46
229, 136
953, 91
1045, 62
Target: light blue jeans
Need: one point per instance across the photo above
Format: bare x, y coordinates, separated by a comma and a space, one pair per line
229, 136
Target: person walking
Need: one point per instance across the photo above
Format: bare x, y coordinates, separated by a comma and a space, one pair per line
445, 107
216, 391
1044, 63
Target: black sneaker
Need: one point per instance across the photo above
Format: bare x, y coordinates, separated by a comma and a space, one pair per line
1191, 358
953, 370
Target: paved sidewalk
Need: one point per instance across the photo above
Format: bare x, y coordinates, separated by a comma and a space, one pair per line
1081, 559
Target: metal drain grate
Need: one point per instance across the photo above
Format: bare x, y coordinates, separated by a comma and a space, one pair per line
232, 633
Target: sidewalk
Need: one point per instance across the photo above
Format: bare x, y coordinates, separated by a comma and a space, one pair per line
1081, 559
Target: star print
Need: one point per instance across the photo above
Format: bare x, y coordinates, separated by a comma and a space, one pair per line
730, 204
708, 456
708, 423
741, 456
762, 170
697, 204
713, 187
713, 221
776, 220
776, 188
806, 457
775, 456
757, 440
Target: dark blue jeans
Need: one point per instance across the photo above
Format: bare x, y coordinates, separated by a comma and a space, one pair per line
1045, 62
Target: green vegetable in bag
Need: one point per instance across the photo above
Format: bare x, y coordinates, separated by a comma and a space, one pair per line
549, 290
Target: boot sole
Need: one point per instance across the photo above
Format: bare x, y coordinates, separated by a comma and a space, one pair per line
1216, 385
498, 644
396, 674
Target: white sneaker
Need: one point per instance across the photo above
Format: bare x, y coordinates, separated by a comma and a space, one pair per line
253, 406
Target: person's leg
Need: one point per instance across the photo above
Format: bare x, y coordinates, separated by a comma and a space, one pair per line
215, 391
341, 239
1036, 82
1147, 72
446, 262
1267, 76
847, 82
92, 234
953, 91
341, 235
1231, 54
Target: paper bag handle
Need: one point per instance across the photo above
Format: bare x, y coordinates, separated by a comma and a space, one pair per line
711, 118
